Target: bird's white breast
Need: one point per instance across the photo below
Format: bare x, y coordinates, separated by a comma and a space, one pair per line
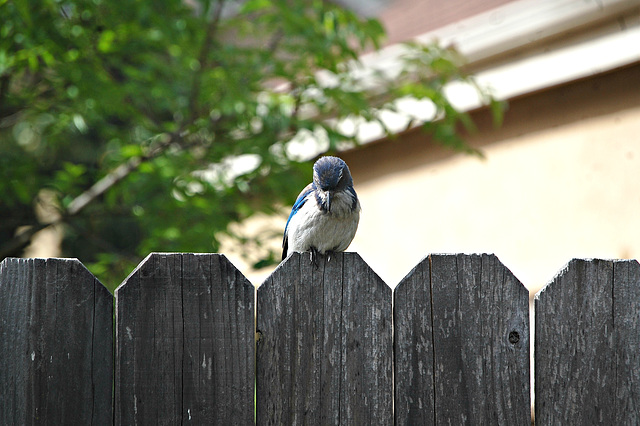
326, 231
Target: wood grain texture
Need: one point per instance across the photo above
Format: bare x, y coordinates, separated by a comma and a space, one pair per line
462, 343
413, 346
185, 342
626, 323
56, 344
325, 350
587, 364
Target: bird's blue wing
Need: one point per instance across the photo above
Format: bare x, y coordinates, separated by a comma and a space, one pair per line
302, 198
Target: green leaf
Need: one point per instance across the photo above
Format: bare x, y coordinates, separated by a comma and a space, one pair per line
498, 109
252, 6
129, 151
106, 41
25, 13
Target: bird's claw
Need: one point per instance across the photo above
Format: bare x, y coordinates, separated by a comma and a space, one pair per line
314, 256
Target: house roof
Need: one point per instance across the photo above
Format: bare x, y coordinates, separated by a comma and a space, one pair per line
516, 48
526, 46
406, 19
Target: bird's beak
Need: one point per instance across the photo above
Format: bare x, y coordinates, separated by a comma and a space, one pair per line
329, 201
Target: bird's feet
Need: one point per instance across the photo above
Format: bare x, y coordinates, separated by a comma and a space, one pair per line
314, 256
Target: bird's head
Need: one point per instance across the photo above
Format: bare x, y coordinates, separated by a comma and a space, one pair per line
330, 175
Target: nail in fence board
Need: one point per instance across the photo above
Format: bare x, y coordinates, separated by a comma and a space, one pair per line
587, 346
462, 343
56, 344
185, 342
324, 353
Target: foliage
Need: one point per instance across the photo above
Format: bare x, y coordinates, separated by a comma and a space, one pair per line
158, 124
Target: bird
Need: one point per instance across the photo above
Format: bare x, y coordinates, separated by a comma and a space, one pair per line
325, 216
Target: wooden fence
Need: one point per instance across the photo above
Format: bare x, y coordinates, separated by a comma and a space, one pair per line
334, 344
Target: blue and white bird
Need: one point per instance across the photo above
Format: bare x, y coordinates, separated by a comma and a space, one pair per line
325, 216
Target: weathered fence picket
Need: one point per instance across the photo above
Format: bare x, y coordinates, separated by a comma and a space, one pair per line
56, 344
325, 348
462, 343
185, 347
185, 342
587, 345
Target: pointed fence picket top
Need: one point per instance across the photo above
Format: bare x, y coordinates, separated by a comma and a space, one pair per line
461, 343
324, 352
53, 372
587, 346
185, 342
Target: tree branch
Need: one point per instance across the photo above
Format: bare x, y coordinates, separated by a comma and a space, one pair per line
101, 186
119, 173
87, 197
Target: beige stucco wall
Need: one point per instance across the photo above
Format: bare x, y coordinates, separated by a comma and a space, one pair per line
536, 201
560, 180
